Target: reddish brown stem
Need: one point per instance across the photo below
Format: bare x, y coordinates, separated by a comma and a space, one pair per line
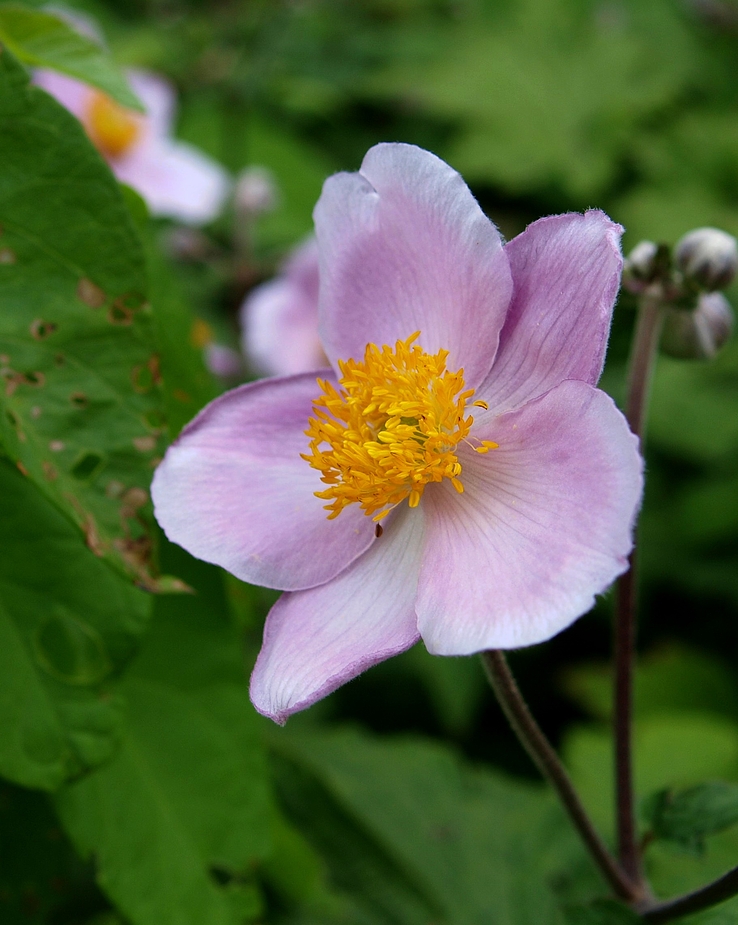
645, 342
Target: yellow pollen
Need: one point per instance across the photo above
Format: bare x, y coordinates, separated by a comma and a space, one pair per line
112, 128
391, 427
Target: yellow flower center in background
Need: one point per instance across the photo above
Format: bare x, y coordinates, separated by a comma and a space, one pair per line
391, 428
112, 128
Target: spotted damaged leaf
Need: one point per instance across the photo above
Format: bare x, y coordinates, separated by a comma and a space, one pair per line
68, 626
81, 411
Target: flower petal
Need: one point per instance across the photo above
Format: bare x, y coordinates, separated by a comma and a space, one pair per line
233, 490
280, 318
316, 640
566, 273
544, 523
404, 247
159, 100
71, 93
175, 179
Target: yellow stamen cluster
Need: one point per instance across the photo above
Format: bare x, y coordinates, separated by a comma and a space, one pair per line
112, 128
391, 428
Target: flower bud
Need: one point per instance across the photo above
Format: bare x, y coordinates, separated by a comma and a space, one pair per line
641, 266
222, 361
256, 191
698, 333
708, 258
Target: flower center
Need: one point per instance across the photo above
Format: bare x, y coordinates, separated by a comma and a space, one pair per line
112, 128
391, 428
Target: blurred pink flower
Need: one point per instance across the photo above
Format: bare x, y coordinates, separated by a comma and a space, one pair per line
174, 178
521, 478
279, 319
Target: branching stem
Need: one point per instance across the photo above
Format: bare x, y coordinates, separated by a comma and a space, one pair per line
716, 892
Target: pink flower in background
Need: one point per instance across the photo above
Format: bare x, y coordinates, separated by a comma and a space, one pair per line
279, 319
462, 480
174, 178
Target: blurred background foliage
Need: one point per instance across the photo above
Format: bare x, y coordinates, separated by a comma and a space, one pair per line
169, 802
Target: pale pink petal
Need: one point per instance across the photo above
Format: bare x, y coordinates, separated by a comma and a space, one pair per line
543, 525
566, 274
316, 640
159, 100
72, 94
404, 247
175, 179
233, 490
279, 319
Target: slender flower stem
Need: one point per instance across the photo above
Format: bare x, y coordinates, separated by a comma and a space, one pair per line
645, 342
547, 761
716, 892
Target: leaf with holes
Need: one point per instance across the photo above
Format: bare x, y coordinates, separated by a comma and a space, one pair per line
189, 782
40, 39
81, 406
68, 624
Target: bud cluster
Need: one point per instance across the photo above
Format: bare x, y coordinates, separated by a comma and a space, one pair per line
698, 319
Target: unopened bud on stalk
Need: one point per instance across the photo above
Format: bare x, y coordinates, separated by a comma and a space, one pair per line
698, 333
708, 258
642, 265
256, 192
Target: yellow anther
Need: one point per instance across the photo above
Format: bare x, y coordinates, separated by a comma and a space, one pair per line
391, 428
481, 404
112, 128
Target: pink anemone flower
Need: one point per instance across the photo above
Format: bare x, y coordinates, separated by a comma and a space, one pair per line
174, 178
279, 319
454, 475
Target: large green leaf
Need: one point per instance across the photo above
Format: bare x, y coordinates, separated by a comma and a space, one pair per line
419, 837
42, 39
548, 93
67, 625
81, 405
186, 382
179, 818
40, 875
676, 749
670, 678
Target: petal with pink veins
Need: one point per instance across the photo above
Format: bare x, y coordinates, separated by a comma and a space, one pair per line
404, 247
544, 524
566, 274
316, 640
233, 490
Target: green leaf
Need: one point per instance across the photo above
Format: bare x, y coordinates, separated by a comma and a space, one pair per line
547, 93
41, 39
415, 836
187, 384
39, 871
671, 749
67, 625
686, 817
189, 782
81, 409
601, 912
670, 678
